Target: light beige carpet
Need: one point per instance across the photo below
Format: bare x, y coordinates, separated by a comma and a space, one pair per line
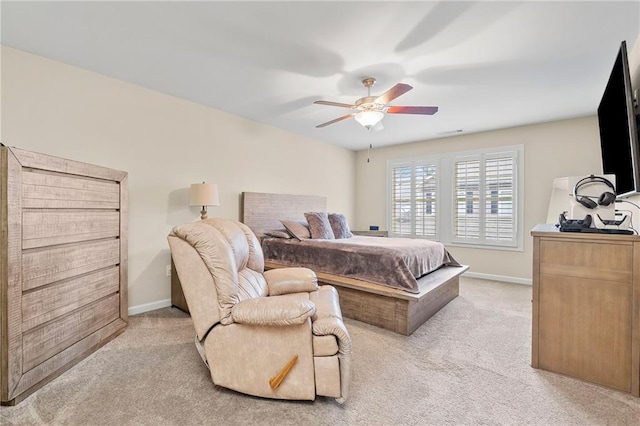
469, 364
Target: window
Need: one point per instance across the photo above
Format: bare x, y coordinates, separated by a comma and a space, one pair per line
413, 200
465, 198
485, 188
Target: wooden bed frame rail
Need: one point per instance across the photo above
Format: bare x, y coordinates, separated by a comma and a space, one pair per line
391, 309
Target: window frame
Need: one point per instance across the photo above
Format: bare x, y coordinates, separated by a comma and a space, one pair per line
446, 196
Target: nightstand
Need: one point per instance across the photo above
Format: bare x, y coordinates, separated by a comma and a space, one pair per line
371, 233
177, 296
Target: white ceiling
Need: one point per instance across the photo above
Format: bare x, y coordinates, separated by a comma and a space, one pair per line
487, 65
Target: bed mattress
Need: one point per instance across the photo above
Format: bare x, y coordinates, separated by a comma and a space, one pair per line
393, 262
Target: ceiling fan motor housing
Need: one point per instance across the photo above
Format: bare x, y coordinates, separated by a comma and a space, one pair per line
368, 104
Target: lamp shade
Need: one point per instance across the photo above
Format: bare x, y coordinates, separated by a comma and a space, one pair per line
369, 118
204, 194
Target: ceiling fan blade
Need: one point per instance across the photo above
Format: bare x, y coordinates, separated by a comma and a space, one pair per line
337, 104
394, 92
425, 110
344, 117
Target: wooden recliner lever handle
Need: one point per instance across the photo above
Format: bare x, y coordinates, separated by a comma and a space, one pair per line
275, 381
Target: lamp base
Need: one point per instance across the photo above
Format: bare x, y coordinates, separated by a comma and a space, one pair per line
203, 213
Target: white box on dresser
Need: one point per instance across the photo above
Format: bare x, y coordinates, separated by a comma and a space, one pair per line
63, 266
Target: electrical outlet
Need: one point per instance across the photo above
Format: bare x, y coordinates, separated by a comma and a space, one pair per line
168, 270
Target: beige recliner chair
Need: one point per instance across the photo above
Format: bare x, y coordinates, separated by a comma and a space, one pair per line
251, 325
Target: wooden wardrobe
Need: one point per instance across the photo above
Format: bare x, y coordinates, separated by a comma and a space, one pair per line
63, 266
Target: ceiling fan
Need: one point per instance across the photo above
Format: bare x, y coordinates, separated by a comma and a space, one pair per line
370, 110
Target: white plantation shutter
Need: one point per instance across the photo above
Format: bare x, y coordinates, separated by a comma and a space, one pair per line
401, 178
485, 197
413, 199
425, 201
468, 198
499, 196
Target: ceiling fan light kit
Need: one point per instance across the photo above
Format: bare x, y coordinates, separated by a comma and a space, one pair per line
370, 110
369, 119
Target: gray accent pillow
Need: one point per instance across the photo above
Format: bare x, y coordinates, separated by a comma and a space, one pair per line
299, 229
278, 233
339, 226
319, 225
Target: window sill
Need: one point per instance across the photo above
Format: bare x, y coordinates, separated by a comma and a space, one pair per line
461, 244
483, 246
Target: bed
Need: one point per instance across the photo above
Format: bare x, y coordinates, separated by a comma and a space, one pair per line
363, 298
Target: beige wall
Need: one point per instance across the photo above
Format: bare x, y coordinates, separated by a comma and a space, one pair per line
561, 148
165, 144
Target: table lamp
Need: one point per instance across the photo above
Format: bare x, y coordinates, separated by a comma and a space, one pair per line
203, 194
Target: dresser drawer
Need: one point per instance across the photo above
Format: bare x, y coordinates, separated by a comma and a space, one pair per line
587, 259
41, 228
46, 190
45, 266
45, 341
50, 302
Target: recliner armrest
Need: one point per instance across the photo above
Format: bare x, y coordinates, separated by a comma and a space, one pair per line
290, 280
278, 311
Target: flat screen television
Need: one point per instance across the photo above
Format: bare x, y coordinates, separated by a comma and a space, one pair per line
619, 128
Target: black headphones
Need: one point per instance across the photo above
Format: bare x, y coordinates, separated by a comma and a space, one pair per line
605, 199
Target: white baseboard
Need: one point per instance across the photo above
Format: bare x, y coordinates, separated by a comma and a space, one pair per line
134, 310
504, 278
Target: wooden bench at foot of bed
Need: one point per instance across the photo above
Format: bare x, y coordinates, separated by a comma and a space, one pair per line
389, 308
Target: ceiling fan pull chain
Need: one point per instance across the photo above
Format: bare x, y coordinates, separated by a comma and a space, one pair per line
368, 151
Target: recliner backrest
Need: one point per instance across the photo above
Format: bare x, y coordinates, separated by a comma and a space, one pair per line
248, 257
200, 291
232, 255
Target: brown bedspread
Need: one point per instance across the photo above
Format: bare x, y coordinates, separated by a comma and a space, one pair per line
394, 262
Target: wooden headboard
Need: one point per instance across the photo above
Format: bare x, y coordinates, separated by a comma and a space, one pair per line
262, 212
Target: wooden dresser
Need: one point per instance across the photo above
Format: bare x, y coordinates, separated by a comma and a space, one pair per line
586, 306
63, 266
